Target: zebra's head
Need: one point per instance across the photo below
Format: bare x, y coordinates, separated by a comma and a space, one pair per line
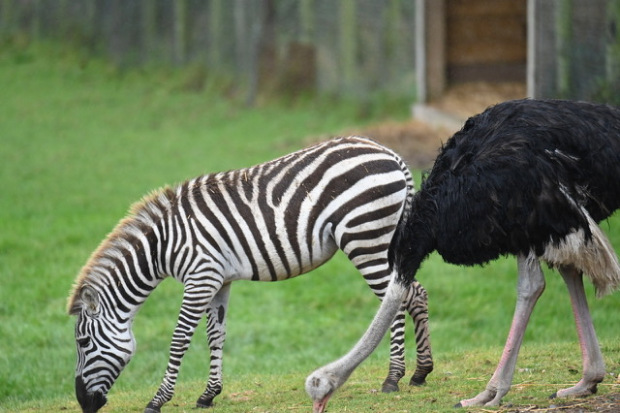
105, 344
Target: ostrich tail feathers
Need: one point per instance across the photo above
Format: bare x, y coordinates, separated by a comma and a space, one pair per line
595, 257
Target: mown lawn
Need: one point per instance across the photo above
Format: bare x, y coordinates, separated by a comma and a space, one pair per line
81, 140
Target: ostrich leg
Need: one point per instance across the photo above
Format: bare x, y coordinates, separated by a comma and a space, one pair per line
593, 364
530, 286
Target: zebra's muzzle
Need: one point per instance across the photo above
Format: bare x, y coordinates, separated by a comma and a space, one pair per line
89, 401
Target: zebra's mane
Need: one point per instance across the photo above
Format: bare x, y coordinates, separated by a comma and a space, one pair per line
141, 214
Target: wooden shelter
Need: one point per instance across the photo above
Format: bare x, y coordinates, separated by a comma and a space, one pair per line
558, 48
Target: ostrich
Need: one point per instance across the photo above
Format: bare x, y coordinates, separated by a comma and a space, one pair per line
530, 178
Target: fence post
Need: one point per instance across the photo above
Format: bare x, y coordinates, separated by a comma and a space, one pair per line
564, 23
348, 44
180, 31
214, 55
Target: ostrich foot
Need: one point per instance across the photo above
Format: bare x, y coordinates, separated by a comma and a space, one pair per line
389, 386
582, 389
489, 397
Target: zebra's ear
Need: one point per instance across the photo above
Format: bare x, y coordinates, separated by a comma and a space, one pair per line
90, 300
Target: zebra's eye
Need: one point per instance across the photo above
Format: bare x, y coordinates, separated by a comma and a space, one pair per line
83, 342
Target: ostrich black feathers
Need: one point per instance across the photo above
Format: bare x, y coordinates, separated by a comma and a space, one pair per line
514, 179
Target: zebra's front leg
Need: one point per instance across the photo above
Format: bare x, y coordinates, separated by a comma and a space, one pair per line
397, 354
196, 298
216, 335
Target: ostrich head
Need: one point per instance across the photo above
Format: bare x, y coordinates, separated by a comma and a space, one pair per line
322, 383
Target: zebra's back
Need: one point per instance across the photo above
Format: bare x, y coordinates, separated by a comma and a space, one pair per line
285, 217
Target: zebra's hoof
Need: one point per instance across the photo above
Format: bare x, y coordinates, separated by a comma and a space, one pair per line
204, 402
389, 387
415, 381
152, 409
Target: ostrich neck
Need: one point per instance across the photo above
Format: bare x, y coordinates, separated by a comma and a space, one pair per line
374, 334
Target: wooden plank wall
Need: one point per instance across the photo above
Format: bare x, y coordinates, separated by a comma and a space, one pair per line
486, 40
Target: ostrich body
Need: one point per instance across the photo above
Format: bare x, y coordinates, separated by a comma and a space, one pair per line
530, 178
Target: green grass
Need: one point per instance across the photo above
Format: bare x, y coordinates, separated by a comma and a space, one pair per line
543, 369
80, 141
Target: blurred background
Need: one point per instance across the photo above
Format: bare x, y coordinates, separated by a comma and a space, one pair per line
102, 101
412, 49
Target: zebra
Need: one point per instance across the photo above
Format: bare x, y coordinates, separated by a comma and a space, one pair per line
269, 222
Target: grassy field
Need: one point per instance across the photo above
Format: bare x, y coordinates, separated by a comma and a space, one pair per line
81, 140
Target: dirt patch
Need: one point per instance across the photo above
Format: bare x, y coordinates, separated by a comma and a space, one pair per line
606, 403
418, 142
467, 99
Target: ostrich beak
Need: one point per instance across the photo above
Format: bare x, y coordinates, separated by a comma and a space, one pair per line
319, 405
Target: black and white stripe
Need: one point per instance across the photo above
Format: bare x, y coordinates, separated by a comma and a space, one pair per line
269, 222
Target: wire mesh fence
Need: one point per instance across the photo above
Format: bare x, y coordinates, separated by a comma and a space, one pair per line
577, 49
354, 48
351, 47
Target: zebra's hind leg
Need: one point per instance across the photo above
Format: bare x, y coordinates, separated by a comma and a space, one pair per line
396, 370
216, 335
416, 304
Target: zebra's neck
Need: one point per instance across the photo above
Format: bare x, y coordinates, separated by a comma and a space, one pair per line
127, 271
127, 265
